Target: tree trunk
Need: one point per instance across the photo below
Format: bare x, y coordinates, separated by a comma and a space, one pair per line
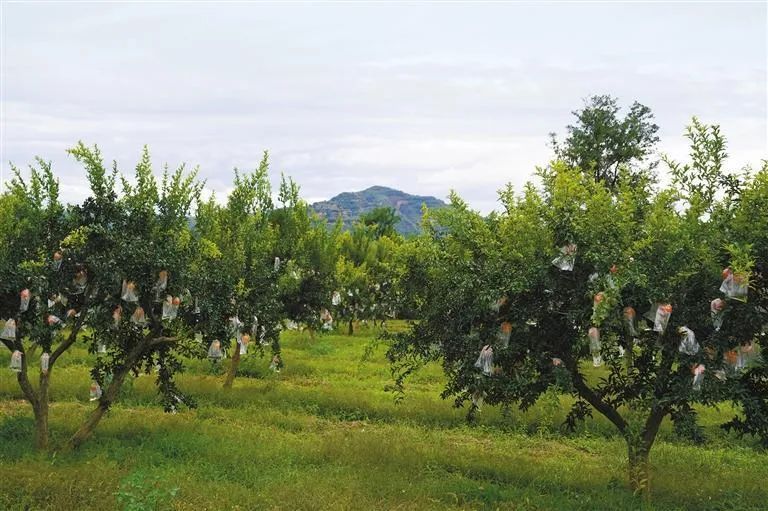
351, 327
38, 401
41, 427
109, 397
86, 428
639, 468
233, 365
41, 414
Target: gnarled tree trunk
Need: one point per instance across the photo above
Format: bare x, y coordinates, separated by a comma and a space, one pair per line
86, 428
110, 396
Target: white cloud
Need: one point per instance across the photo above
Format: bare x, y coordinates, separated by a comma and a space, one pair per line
422, 98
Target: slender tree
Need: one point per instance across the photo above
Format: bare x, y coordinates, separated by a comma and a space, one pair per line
237, 276
44, 289
138, 273
307, 252
606, 146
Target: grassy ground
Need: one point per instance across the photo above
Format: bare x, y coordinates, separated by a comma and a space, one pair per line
325, 434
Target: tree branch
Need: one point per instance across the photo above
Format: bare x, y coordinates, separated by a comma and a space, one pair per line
64, 346
652, 425
157, 341
21, 377
26, 387
8, 344
593, 399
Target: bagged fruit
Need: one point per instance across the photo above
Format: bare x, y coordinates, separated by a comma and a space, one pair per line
16, 357
9, 330
594, 346
138, 317
95, 391
214, 351
663, 312
129, 293
629, 320
504, 333
688, 344
567, 258
485, 360
698, 376
716, 308
24, 297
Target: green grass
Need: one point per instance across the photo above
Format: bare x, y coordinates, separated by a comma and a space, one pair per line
325, 434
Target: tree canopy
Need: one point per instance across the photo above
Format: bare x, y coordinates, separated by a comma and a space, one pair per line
660, 289
603, 144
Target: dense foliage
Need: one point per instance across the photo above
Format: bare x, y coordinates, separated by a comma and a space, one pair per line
148, 274
663, 286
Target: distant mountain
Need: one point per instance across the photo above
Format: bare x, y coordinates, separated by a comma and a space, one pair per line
350, 205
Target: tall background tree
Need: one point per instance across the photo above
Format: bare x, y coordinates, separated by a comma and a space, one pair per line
306, 254
367, 270
382, 221
236, 275
605, 145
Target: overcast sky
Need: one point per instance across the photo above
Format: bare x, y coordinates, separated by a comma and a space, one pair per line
420, 97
